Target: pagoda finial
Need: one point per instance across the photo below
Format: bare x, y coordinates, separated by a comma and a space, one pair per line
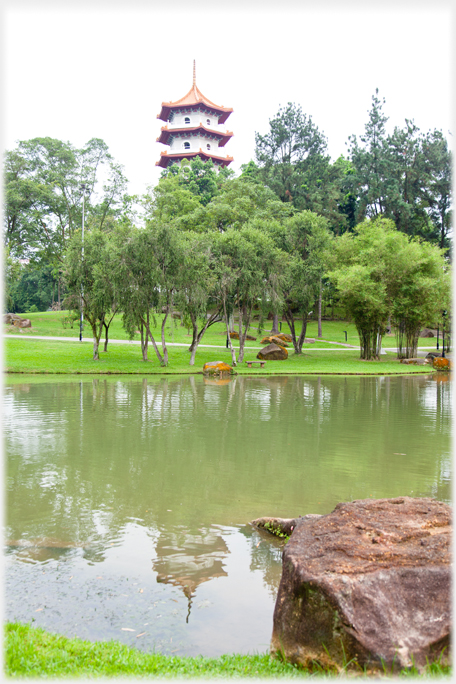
194, 72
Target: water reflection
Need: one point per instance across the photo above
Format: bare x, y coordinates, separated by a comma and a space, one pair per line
156, 478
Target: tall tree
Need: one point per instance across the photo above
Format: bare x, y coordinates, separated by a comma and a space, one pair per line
288, 151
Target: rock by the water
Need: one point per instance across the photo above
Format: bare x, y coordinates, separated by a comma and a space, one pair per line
370, 581
281, 527
442, 364
216, 367
273, 352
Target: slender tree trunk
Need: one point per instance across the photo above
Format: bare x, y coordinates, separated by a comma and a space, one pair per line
106, 327
290, 320
144, 340
243, 334
197, 336
233, 355
58, 290
145, 322
302, 336
275, 324
164, 347
320, 334
96, 334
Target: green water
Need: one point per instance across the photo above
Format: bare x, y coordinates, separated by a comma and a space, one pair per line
128, 501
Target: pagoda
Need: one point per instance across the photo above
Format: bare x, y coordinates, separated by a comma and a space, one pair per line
192, 129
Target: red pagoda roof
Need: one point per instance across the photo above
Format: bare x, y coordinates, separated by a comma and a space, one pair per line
194, 98
166, 134
166, 159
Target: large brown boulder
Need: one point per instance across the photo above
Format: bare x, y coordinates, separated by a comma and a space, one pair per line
273, 352
369, 581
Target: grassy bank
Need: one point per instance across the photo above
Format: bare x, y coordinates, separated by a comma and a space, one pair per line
50, 356
56, 324
33, 652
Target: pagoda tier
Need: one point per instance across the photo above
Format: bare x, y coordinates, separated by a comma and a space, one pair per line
194, 101
166, 159
191, 128
167, 134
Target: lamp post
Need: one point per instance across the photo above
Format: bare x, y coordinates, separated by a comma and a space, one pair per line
83, 187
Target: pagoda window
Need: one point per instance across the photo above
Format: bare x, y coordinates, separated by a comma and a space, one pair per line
187, 120
186, 145
208, 121
208, 146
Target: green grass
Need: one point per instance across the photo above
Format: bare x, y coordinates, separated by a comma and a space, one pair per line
33, 652
43, 356
49, 323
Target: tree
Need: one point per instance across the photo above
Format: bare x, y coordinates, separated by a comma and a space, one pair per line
247, 268
404, 176
45, 181
147, 274
89, 279
369, 162
305, 238
288, 151
196, 286
381, 272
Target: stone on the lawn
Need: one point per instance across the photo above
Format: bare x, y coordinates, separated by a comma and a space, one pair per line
273, 352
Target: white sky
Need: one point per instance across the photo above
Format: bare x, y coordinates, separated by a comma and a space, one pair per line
77, 71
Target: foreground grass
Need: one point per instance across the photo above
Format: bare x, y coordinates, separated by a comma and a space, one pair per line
43, 356
33, 652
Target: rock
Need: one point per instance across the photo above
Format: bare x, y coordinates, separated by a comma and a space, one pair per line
266, 340
19, 322
309, 340
370, 581
415, 362
273, 352
442, 364
426, 332
249, 337
282, 527
278, 340
234, 335
285, 337
216, 367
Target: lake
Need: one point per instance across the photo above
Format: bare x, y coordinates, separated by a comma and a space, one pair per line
128, 500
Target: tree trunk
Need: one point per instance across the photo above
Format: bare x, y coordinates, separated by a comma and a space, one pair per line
233, 355
164, 348
319, 312
144, 342
275, 324
197, 336
243, 334
106, 327
290, 320
145, 322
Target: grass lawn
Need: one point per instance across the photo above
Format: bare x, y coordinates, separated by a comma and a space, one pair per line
43, 356
50, 323
33, 652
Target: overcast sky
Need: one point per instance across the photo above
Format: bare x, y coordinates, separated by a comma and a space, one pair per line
77, 71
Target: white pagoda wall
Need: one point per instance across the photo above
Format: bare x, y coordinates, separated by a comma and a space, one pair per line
196, 142
195, 118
